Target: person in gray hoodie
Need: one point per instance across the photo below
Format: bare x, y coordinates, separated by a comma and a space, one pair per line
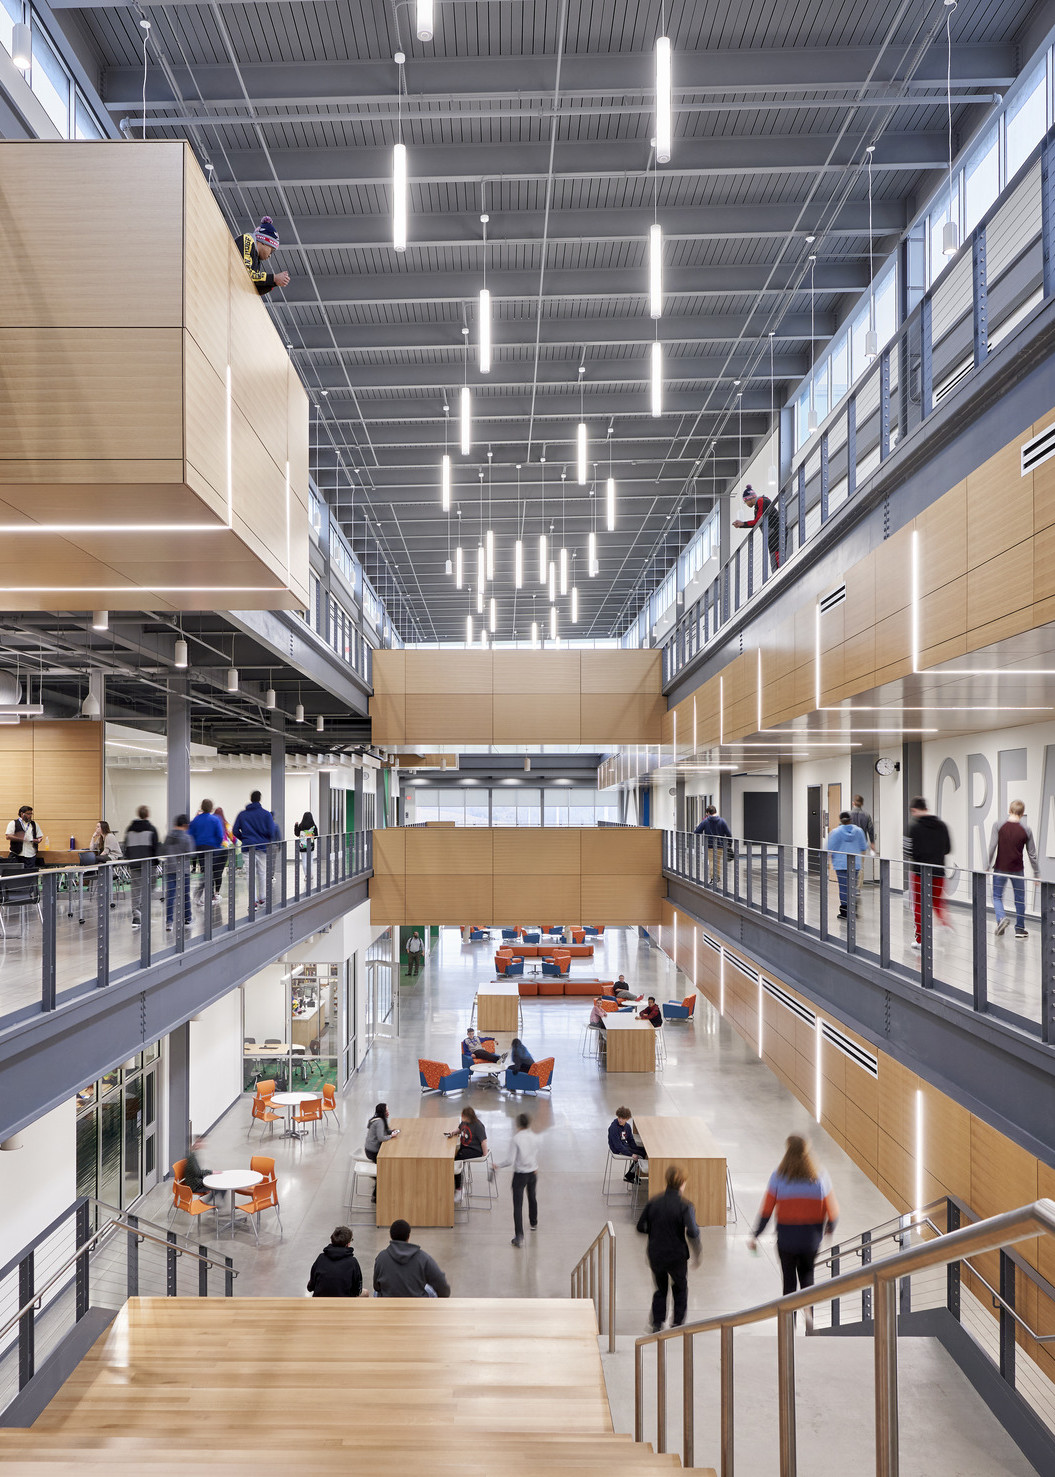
404, 1270
178, 840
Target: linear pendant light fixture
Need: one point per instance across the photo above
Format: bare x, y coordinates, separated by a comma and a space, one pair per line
811, 416
552, 581
553, 623
492, 616
425, 20
564, 571
468, 630
871, 336
591, 552
664, 100
485, 331
459, 568
481, 565
445, 483
466, 418
22, 47
575, 605
518, 545
580, 453
543, 548
655, 270
656, 377
534, 635
609, 499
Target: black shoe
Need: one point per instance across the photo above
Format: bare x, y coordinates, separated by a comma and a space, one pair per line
534, 1225
517, 1241
630, 1176
842, 912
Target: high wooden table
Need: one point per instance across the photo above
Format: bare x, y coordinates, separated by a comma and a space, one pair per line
415, 1173
630, 1043
689, 1143
498, 1008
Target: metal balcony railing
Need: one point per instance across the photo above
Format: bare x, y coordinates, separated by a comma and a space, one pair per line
593, 1276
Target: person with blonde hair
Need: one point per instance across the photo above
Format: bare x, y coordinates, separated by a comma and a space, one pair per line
1006, 845
669, 1222
800, 1193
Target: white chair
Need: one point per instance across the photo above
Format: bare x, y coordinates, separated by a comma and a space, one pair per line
661, 1048
589, 1040
364, 1172
490, 1180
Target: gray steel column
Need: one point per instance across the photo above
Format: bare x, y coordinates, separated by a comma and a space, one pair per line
785, 804
278, 775
358, 786
177, 751
679, 805
725, 527
178, 1125
323, 819
725, 797
911, 777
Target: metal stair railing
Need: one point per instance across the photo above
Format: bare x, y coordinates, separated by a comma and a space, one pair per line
589, 1280
997, 1233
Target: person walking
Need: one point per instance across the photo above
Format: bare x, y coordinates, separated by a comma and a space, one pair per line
927, 844
255, 828
800, 1194
765, 512
178, 843
524, 1164
25, 838
669, 1222
404, 1270
860, 817
206, 831
414, 949
307, 833
336, 1272
717, 832
142, 846
846, 841
1006, 846
256, 247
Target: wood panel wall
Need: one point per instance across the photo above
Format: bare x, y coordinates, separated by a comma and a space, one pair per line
874, 1118
987, 572
58, 769
113, 392
504, 697
507, 875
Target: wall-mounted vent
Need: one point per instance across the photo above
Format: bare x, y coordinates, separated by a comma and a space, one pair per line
1038, 450
789, 1002
711, 943
745, 969
945, 389
829, 602
849, 1048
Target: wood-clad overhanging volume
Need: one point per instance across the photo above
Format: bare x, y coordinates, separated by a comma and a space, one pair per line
153, 432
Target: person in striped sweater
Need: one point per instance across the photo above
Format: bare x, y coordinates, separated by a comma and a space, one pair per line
801, 1195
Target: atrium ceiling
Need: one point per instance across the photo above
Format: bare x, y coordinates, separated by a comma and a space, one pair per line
541, 117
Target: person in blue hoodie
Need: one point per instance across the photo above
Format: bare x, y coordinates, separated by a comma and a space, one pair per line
255, 827
206, 831
847, 844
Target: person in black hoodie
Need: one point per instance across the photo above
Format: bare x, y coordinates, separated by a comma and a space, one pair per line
927, 844
142, 845
336, 1272
404, 1270
669, 1222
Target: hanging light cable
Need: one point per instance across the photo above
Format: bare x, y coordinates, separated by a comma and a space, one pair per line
950, 235
773, 479
811, 418
656, 377
610, 487
664, 100
543, 552
399, 171
518, 546
871, 336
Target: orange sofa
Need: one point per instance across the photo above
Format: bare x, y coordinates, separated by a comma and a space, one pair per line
588, 989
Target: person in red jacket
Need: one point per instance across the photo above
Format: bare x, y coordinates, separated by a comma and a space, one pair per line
651, 1013
761, 506
1006, 845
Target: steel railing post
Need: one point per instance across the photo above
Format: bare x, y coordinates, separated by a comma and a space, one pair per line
269, 878
825, 478
952, 1271
851, 445
980, 293
611, 1294
170, 1264
786, 1393
886, 1418
853, 892
822, 893
180, 883
232, 886
82, 1232
884, 405
228, 1277
1007, 1320
979, 942
48, 960
639, 1393
203, 1273
763, 890
836, 1303
801, 503
926, 918
926, 359
728, 1407
283, 886
800, 888
749, 888
250, 877
884, 912
102, 941
661, 1396
132, 1258
688, 1396
866, 1292
780, 883
27, 1323
1047, 961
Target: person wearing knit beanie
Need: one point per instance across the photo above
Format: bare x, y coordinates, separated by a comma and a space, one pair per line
256, 248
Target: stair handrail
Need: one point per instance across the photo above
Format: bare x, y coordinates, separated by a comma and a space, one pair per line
992, 1234
115, 1223
588, 1279
901, 1226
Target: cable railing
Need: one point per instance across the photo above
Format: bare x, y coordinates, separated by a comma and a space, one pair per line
93, 1256
935, 930
1004, 270
593, 1276
68, 930
881, 1281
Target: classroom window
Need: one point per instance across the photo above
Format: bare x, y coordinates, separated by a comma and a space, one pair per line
1026, 120
50, 81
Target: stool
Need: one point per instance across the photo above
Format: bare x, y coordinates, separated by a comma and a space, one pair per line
661, 1048
589, 1040
365, 1171
491, 1181
730, 1198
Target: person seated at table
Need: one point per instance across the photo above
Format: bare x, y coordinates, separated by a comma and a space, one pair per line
472, 1047
404, 1270
621, 1141
194, 1173
651, 1013
520, 1059
473, 1144
336, 1273
621, 990
378, 1132
105, 844
597, 1016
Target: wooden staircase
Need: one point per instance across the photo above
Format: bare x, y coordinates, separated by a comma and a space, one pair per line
387, 1388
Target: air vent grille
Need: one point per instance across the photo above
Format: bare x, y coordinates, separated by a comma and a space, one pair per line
829, 602
1038, 450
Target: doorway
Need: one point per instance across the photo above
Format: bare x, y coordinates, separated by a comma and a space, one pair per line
813, 826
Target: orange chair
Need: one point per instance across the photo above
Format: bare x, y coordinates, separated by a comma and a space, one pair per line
562, 959
329, 1104
265, 1087
261, 1113
578, 935
263, 1197
178, 1170
183, 1198
265, 1166
311, 1112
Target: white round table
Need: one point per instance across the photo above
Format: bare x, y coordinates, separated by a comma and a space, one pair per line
232, 1180
292, 1100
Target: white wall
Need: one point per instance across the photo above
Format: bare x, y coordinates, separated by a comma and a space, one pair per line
265, 1004
215, 1061
127, 789
823, 772
889, 815
38, 1181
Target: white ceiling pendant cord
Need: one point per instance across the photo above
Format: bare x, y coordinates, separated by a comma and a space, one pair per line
399, 170
484, 324
518, 547
773, 478
950, 236
811, 418
871, 337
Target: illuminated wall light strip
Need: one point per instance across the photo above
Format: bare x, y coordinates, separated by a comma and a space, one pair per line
915, 599
485, 331
694, 746
399, 197
655, 270
761, 1012
656, 377
289, 531
919, 1150
675, 938
721, 983
518, 564
664, 100
113, 527
466, 418
543, 559
721, 710
575, 605
489, 550
563, 571
230, 453
817, 656
126, 589
609, 499
694, 940
445, 484
459, 568
581, 451
818, 1081
758, 674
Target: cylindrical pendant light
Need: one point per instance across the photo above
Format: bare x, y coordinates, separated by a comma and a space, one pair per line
553, 623
534, 634
459, 568
445, 483
399, 197
232, 679
580, 448
298, 713
466, 420
485, 331
655, 270
22, 47
179, 653
552, 581
100, 620
575, 605
320, 724
564, 571
479, 600
543, 559
468, 630
656, 377
591, 553
492, 615
425, 20
609, 501
483, 638
270, 698
518, 564
489, 546
481, 565
664, 100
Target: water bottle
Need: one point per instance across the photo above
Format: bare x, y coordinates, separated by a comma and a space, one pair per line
73, 843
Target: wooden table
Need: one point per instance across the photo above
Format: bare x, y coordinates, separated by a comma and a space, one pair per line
630, 1043
415, 1173
498, 1008
689, 1143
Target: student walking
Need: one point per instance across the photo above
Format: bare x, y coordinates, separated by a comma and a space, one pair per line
206, 831
336, 1272
306, 833
717, 832
846, 841
178, 843
927, 844
860, 817
800, 1194
142, 845
524, 1164
255, 828
669, 1222
1006, 846
414, 949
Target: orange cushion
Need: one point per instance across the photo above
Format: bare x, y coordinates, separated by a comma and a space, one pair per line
551, 987
528, 987
582, 987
